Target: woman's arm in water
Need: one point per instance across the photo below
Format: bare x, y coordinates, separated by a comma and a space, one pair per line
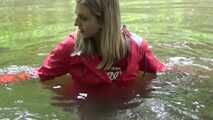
14, 74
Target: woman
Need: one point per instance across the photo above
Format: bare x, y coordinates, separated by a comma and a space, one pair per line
103, 57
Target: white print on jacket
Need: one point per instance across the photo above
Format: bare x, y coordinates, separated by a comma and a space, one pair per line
114, 72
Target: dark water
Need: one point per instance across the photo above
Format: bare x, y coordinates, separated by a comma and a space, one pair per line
180, 32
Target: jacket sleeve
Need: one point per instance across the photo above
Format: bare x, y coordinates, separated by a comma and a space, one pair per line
57, 61
149, 62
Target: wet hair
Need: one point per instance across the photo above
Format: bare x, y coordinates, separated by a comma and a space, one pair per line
111, 46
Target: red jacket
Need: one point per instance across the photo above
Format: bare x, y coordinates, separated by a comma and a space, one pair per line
87, 78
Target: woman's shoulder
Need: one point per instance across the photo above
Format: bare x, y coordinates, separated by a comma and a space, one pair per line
142, 43
67, 45
69, 41
137, 39
132, 36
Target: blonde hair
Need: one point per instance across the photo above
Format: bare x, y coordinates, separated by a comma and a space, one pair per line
111, 46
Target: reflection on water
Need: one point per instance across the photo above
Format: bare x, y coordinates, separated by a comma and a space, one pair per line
180, 32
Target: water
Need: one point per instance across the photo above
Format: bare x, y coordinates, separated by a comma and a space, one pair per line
180, 32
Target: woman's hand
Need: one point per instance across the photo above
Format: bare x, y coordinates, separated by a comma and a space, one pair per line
143, 83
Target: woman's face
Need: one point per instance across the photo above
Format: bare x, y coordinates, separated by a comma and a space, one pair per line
86, 21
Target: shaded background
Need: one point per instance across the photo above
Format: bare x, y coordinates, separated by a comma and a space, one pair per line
180, 32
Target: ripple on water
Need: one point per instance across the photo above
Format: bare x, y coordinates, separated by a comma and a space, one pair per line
20, 113
189, 64
13, 69
182, 45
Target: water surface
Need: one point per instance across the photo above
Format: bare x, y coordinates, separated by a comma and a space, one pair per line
180, 32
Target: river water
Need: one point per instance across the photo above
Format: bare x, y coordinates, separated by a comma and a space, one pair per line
181, 35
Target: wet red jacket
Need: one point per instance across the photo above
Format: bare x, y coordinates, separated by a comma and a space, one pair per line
87, 78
